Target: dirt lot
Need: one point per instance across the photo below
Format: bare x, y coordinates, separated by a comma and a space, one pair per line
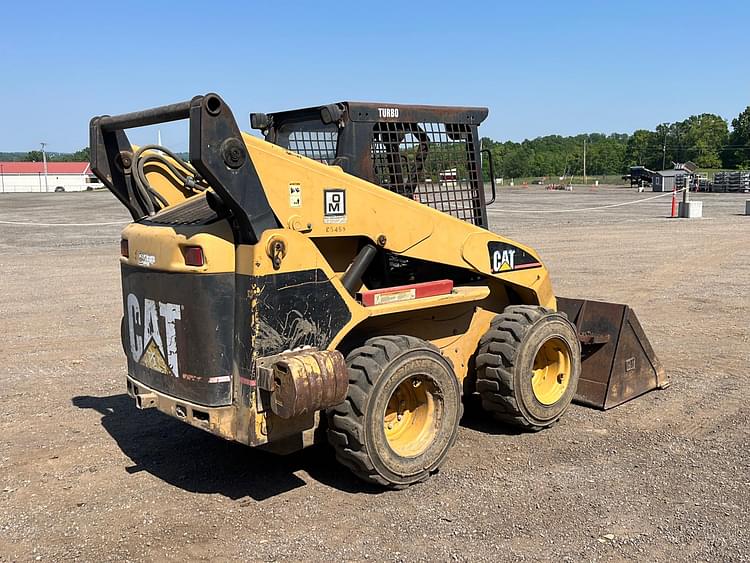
84, 475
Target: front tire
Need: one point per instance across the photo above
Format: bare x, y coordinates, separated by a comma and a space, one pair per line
401, 413
528, 365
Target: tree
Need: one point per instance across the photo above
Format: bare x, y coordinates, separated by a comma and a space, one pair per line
643, 148
606, 155
82, 155
705, 136
737, 154
33, 156
516, 162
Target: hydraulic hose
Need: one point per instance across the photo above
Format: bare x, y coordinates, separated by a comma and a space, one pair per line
184, 172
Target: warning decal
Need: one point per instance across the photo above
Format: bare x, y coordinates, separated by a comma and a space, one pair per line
334, 206
295, 195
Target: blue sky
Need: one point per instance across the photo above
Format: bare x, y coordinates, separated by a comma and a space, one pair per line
541, 67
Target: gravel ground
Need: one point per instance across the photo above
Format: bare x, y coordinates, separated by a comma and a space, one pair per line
85, 476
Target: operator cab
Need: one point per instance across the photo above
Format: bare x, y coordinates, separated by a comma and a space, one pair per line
427, 153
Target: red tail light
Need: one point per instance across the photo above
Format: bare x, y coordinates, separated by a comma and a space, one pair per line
194, 256
124, 250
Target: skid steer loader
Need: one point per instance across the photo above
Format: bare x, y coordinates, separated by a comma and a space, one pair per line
339, 275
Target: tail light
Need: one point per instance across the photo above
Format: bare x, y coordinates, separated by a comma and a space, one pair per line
124, 250
194, 256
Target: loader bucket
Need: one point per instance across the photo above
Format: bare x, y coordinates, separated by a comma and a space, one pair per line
618, 363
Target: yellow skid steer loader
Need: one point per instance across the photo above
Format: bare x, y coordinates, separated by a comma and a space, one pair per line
339, 275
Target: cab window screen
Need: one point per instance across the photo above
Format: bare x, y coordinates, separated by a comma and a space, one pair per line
432, 163
315, 141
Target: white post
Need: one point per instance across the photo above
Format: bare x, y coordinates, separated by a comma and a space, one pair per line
44, 158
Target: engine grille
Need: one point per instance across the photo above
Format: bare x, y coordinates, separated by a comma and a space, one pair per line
193, 212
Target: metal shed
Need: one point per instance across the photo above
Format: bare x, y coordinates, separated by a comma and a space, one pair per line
667, 180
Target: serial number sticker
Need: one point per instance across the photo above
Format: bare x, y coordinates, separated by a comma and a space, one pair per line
405, 295
295, 195
146, 259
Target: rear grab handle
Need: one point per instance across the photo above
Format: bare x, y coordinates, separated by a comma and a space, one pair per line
161, 114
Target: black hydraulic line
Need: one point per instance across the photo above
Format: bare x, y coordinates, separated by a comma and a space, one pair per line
187, 176
143, 191
186, 165
190, 180
352, 278
162, 200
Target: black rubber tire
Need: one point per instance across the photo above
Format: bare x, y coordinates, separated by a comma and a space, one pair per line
355, 427
505, 360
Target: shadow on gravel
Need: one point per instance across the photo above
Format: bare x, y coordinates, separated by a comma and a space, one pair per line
475, 418
196, 461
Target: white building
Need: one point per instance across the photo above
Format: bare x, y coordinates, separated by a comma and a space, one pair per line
60, 177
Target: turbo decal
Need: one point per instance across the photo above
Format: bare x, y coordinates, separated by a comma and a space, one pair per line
388, 113
147, 347
505, 257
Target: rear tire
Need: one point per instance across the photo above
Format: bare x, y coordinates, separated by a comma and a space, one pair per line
528, 365
401, 413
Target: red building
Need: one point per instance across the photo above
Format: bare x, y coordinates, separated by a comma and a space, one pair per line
59, 177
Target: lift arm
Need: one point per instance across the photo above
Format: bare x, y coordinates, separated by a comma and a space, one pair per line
216, 151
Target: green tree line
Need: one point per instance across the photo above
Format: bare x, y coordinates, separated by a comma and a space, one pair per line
704, 139
82, 155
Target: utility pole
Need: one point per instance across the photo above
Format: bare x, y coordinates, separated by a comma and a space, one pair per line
44, 159
664, 152
2, 177
584, 161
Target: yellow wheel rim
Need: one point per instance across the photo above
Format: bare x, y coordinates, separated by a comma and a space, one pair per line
410, 417
551, 373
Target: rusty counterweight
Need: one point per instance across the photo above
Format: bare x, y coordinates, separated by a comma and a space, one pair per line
303, 381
